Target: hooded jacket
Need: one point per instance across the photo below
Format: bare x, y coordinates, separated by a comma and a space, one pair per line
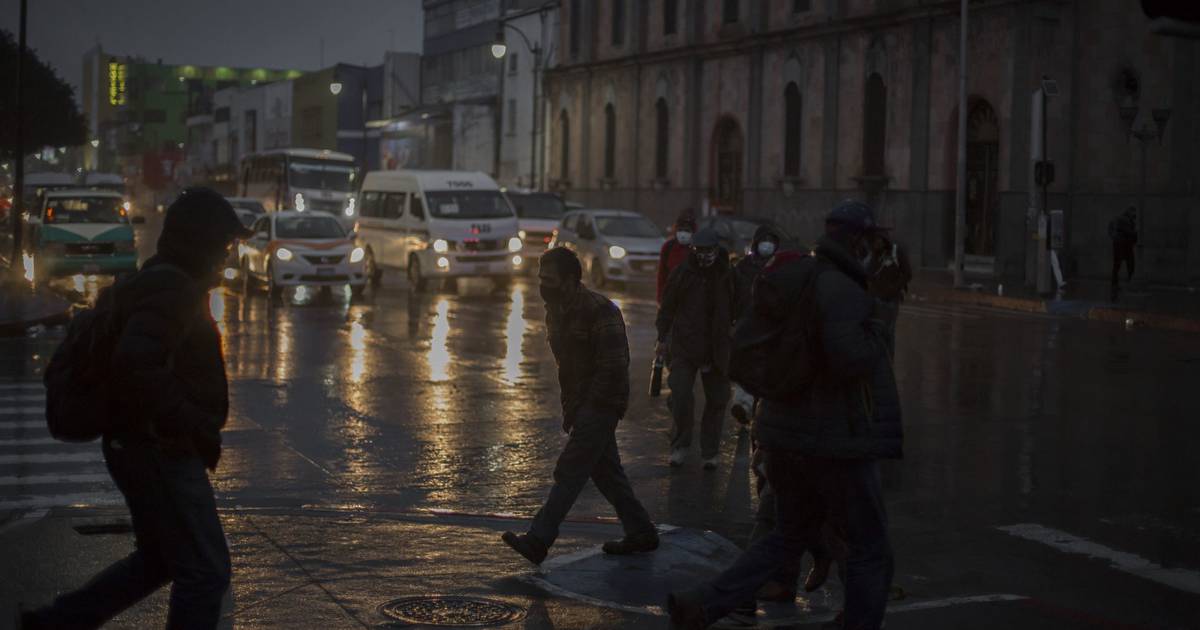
748, 268
852, 410
697, 326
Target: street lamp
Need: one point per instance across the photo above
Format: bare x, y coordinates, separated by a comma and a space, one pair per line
335, 88
499, 50
95, 143
1144, 133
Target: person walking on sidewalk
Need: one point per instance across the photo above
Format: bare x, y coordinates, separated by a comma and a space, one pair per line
888, 275
675, 251
1123, 232
823, 444
763, 246
694, 326
168, 365
587, 336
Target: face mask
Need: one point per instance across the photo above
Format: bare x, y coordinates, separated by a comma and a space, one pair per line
706, 257
766, 249
684, 237
551, 295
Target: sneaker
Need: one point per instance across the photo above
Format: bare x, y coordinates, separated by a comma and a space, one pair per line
740, 414
817, 575
710, 463
678, 456
685, 611
637, 543
526, 545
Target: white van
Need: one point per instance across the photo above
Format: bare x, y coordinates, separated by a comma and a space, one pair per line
438, 224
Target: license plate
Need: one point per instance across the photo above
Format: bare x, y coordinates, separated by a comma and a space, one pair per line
325, 271
91, 269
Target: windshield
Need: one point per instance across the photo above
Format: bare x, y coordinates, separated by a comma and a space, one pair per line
84, 210
634, 227
308, 227
468, 204
321, 175
248, 206
538, 206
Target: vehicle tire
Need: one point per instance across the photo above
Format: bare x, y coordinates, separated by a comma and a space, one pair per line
273, 290
415, 280
598, 277
373, 272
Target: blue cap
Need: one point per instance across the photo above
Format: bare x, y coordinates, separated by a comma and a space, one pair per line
853, 214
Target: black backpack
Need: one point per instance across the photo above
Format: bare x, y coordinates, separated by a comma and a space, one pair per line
79, 396
776, 344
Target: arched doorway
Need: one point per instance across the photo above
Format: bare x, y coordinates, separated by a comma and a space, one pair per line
983, 174
726, 170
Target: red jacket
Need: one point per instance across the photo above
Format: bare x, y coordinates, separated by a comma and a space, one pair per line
671, 256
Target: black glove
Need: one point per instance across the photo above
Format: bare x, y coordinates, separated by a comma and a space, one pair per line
206, 441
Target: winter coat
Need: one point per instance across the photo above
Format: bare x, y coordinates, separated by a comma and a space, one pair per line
696, 314
852, 411
588, 339
1123, 230
167, 362
748, 268
888, 275
672, 254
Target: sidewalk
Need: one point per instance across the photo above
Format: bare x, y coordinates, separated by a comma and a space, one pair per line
22, 307
1150, 306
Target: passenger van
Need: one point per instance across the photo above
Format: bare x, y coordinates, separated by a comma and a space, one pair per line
81, 231
438, 225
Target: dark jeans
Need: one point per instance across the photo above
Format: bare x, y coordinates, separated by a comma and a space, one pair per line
807, 488
1122, 253
590, 453
716, 397
178, 539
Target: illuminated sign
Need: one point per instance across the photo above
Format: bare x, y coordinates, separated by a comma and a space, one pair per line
116, 83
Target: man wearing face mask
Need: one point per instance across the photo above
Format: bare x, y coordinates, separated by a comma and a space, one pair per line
587, 336
167, 363
824, 443
676, 250
694, 325
762, 248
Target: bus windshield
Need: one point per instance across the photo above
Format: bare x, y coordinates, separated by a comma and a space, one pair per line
468, 204
308, 227
321, 175
84, 210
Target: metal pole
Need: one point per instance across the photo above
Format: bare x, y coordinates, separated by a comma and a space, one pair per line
366, 162
960, 196
537, 60
16, 262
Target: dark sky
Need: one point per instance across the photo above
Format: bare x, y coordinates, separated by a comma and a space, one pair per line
250, 33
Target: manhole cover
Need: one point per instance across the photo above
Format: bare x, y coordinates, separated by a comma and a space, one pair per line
436, 610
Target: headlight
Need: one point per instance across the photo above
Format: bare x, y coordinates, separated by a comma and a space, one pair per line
357, 255
284, 254
521, 233
299, 202
441, 246
616, 252
515, 244
349, 211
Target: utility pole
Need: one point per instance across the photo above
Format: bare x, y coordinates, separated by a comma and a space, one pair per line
960, 195
17, 262
533, 126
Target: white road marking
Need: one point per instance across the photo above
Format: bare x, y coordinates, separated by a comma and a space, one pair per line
1182, 579
63, 500
32, 441
48, 479
51, 458
9, 425
26, 519
12, 411
22, 386
24, 399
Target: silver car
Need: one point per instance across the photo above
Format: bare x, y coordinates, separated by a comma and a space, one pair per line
615, 245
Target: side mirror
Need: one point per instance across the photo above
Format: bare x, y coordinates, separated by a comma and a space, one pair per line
138, 220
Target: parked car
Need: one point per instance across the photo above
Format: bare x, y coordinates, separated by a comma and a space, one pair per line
538, 214
736, 233
291, 248
78, 231
616, 245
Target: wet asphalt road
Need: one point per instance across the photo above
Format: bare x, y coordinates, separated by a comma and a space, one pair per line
402, 403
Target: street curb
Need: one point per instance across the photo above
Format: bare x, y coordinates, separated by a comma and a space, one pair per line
1124, 317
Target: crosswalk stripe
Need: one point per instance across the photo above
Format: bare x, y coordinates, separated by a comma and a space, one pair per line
29, 441
48, 479
51, 458
23, 399
59, 500
24, 411
25, 386
9, 425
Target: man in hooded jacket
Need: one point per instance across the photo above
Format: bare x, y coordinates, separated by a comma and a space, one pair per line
824, 445
764, 245
168, 365
675, 251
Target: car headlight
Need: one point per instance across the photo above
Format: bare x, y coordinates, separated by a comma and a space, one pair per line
284, 254
515, 244
521, 233
357, 255
298, 201
349, 211
616, 252
441, 246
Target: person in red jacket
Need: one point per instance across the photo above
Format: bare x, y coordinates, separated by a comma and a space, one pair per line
675, 251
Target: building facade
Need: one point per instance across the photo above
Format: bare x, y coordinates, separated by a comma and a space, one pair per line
782, 107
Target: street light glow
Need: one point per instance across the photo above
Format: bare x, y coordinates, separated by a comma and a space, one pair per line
95, 143
499, 49
335, 88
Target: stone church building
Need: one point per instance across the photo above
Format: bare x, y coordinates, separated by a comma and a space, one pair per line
779, 108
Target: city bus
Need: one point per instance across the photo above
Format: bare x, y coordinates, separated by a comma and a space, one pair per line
301, 180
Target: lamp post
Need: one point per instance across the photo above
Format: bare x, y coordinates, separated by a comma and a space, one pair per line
1144, 133
335, 88
499, 51
16, 263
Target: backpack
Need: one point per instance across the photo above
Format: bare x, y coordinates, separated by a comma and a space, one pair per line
78, 393
775, 345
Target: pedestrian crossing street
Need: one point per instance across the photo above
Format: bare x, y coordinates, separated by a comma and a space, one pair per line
38, 472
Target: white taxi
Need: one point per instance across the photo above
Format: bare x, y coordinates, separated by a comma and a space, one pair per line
302, 249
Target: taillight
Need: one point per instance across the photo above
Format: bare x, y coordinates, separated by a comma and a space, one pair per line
49, 215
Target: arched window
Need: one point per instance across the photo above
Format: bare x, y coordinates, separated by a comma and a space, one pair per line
610, 142
670, 16
874, 125
662, 138
730, 11
564, 135
618, 22
791, 130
